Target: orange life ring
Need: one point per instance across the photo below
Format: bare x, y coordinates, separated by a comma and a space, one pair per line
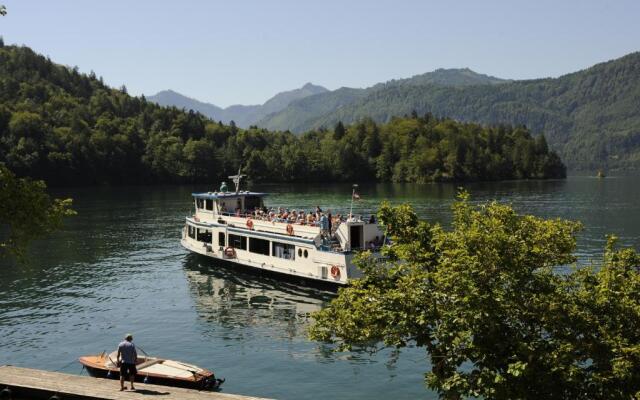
230, 252
335, 271
290, 229
249, 223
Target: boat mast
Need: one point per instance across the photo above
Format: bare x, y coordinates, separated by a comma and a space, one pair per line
236, 179
353, 193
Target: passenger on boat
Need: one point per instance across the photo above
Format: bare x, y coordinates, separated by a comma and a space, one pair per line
324, 223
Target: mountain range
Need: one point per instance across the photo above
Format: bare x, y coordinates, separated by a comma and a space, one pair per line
268, 113
70, 128
590, 117
242, 115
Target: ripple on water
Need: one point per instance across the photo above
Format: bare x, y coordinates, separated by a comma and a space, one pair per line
117, 267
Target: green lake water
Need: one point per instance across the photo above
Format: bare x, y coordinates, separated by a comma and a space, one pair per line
118, 267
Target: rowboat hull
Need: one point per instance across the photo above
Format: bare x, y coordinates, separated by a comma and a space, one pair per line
101, 366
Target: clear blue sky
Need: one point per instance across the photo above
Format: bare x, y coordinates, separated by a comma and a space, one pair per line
243, 52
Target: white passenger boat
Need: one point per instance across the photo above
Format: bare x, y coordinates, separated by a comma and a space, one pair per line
235, 226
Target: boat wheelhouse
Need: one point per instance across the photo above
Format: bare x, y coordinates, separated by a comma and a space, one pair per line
238, 228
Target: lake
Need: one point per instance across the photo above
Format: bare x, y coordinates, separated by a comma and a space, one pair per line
118, 267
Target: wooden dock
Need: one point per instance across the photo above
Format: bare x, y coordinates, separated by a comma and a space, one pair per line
26, 383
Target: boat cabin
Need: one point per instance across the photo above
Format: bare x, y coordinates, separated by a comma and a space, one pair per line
228, 203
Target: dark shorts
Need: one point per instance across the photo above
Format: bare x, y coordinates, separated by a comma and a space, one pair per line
126, 369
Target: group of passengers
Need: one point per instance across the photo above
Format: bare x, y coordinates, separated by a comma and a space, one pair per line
312, 218
327, 221
374, 244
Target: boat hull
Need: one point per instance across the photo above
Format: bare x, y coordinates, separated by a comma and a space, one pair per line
292, 273
265, 273
204, 381
107, 374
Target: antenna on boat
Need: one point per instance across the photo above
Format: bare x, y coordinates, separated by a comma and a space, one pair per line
353, 195
236, 179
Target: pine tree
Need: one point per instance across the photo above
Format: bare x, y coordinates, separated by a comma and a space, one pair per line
339, 131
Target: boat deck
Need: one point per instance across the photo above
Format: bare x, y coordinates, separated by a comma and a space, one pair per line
37, 384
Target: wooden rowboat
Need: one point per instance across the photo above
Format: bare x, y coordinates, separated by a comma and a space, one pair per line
153, 370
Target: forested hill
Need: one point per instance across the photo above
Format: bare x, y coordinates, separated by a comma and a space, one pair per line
300, 115
591, 117
69, 128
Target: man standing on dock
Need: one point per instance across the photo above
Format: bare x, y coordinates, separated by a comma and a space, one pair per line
126, 359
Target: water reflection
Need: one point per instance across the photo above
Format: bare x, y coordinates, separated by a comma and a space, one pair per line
227, 297
271, 317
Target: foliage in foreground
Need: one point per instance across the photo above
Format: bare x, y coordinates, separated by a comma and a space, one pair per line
496, 319
26, 212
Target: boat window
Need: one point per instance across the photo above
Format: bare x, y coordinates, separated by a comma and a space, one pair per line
283, 250
251, 202
299, 252
199, 203
221, 239
209, 204
306, 254
192, 232
204, 235
259, 246
238, 242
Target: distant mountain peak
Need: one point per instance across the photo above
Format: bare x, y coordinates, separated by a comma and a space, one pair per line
307, 87
242, 115
170, 92
311, 86
452, 77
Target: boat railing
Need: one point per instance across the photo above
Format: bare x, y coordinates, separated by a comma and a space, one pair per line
268, 219
284, 228
330, 249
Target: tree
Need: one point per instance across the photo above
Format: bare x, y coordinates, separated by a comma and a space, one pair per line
496, 319
339, 131
27, 212
200, 159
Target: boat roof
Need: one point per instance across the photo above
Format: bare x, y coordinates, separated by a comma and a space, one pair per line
224, 195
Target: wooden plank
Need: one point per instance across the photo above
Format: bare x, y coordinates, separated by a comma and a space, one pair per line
96, 388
